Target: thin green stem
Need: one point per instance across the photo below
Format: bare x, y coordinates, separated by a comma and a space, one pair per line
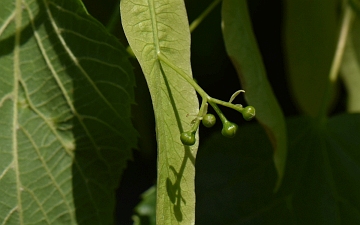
203, 107
189, 79
218, 111
203, 15
203, 94
227, 104
336, 63
345, 28
201, 112
114, 19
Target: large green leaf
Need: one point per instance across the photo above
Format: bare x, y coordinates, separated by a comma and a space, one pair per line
153, 27
324, 169
235, 180
65, 131
242, 49
321, 184
310, 34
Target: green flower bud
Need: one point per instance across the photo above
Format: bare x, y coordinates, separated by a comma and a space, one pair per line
248, 113
188, 138
209, 120
229, 129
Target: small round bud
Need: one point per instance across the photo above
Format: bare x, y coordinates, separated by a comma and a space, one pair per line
209, 120
248, 113
229, 129
187, 138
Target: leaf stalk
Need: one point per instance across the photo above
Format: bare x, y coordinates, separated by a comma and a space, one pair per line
336, 63
205, 97
203, 15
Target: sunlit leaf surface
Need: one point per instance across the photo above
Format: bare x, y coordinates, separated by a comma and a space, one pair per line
161, 26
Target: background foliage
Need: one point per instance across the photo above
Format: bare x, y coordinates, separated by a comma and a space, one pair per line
235, 178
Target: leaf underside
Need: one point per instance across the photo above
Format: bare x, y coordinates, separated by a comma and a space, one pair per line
161, 26
66, 88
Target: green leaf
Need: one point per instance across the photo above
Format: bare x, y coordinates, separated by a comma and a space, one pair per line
65, 131
321, 184
325, 191
355, 4
145, 210
154, 27
235, 178
310, 35
242, 49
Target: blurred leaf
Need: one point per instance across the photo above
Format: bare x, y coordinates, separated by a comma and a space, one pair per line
65, 93
145, 210
323, 171
161, 26
242, 48
355, 4
298, 128
311, 31
235, 180
350, 68
321, 184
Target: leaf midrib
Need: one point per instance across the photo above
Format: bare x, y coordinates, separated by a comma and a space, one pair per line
154, 26
17, 72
